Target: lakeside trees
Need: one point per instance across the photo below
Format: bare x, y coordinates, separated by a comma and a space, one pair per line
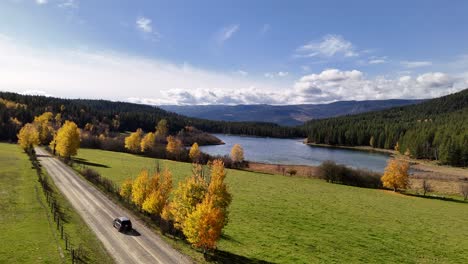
237, 153
396, 175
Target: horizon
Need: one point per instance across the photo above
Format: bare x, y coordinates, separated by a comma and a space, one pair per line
305, 52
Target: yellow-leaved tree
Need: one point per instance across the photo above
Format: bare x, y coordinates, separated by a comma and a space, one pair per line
140, 188
44, 126
159, 193
28, 137
396, 175
162, 129
195, 153
237, 153
148, 141
126, 189
204, 225
217, 190
67, 140
133, 141
188, 194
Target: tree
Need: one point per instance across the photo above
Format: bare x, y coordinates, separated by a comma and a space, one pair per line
140, 188
174, 146
161, 128
159, 193
148, 141
426, 186
464, 190
133, 141
397, 147
204, 225
396, 175
195, 153
237, 153
67, 140
217, 189
372, 142
188, 194
44, 127
28, 137
126, 189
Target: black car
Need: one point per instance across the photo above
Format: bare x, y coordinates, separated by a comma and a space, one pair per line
123, 224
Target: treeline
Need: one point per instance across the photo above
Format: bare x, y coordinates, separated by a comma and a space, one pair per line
436, 129
16, 109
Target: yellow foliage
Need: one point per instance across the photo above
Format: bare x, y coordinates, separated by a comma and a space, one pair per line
44, 126
140, 188
396, 175
148, 141
28, 137
217, 190
174, 145
237, 153
11, 105
15, 121
188, 194
67, 140
159, 188
397, 147
161, 128
126, 189
204, 225
133, 141
194, 153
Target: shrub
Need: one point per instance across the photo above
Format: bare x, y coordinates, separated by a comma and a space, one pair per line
335, 173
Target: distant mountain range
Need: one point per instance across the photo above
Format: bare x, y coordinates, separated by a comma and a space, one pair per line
289, 115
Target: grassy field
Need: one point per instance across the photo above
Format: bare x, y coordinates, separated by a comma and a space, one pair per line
27, 232
294, 220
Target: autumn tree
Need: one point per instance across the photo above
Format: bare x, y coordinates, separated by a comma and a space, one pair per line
162, 129
372, 142
195, 153
217, 189
67, 140
237, 153
133, 141
397, 147
148, 141
174, 146
160, 189
396, 175
126, 189
188, 194
204, 225
140, 188
44, 127
28, 137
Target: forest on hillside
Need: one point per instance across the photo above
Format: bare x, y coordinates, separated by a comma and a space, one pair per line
17, 109
436, 129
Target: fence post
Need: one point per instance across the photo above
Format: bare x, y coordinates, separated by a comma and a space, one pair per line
61, 230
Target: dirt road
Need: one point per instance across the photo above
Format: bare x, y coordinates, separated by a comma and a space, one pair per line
142, 246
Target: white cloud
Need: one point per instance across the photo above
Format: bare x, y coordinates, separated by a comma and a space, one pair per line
329, 46
333, 84
144, 24
41, 2
416, 64
243, 73
377, 61
227, 33
68, 4
272, 75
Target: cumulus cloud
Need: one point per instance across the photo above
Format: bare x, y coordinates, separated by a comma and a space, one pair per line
227, 33
415, 64
329, 46
333, 85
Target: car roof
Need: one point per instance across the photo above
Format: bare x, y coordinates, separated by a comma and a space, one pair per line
123, 218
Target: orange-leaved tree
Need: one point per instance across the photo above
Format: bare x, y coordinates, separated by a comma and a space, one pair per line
160, 189
217, 190
28, 137
195, 153
133, 141
396, 175
148, 141
174, 146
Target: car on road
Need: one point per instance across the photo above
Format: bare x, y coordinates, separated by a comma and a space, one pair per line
123, 224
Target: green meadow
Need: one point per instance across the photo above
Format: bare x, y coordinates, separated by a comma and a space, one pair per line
293, 220
27, 231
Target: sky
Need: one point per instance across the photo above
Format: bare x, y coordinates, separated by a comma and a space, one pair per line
234, 52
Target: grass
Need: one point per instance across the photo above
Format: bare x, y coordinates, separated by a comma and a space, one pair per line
294, 220
28, 233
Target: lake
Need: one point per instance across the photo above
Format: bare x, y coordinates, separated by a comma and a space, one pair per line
294, 152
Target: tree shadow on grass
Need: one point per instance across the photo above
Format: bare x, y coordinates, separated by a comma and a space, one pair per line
442, 198
224, 257
89, 163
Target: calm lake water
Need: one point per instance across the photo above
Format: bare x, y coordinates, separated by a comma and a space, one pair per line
294, 152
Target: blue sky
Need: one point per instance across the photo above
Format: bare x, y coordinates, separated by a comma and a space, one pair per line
231, 52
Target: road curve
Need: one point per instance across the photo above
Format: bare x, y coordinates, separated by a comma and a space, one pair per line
98, 211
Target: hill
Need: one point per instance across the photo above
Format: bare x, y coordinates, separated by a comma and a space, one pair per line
287, 115
17, 109
281, 219
436, 129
